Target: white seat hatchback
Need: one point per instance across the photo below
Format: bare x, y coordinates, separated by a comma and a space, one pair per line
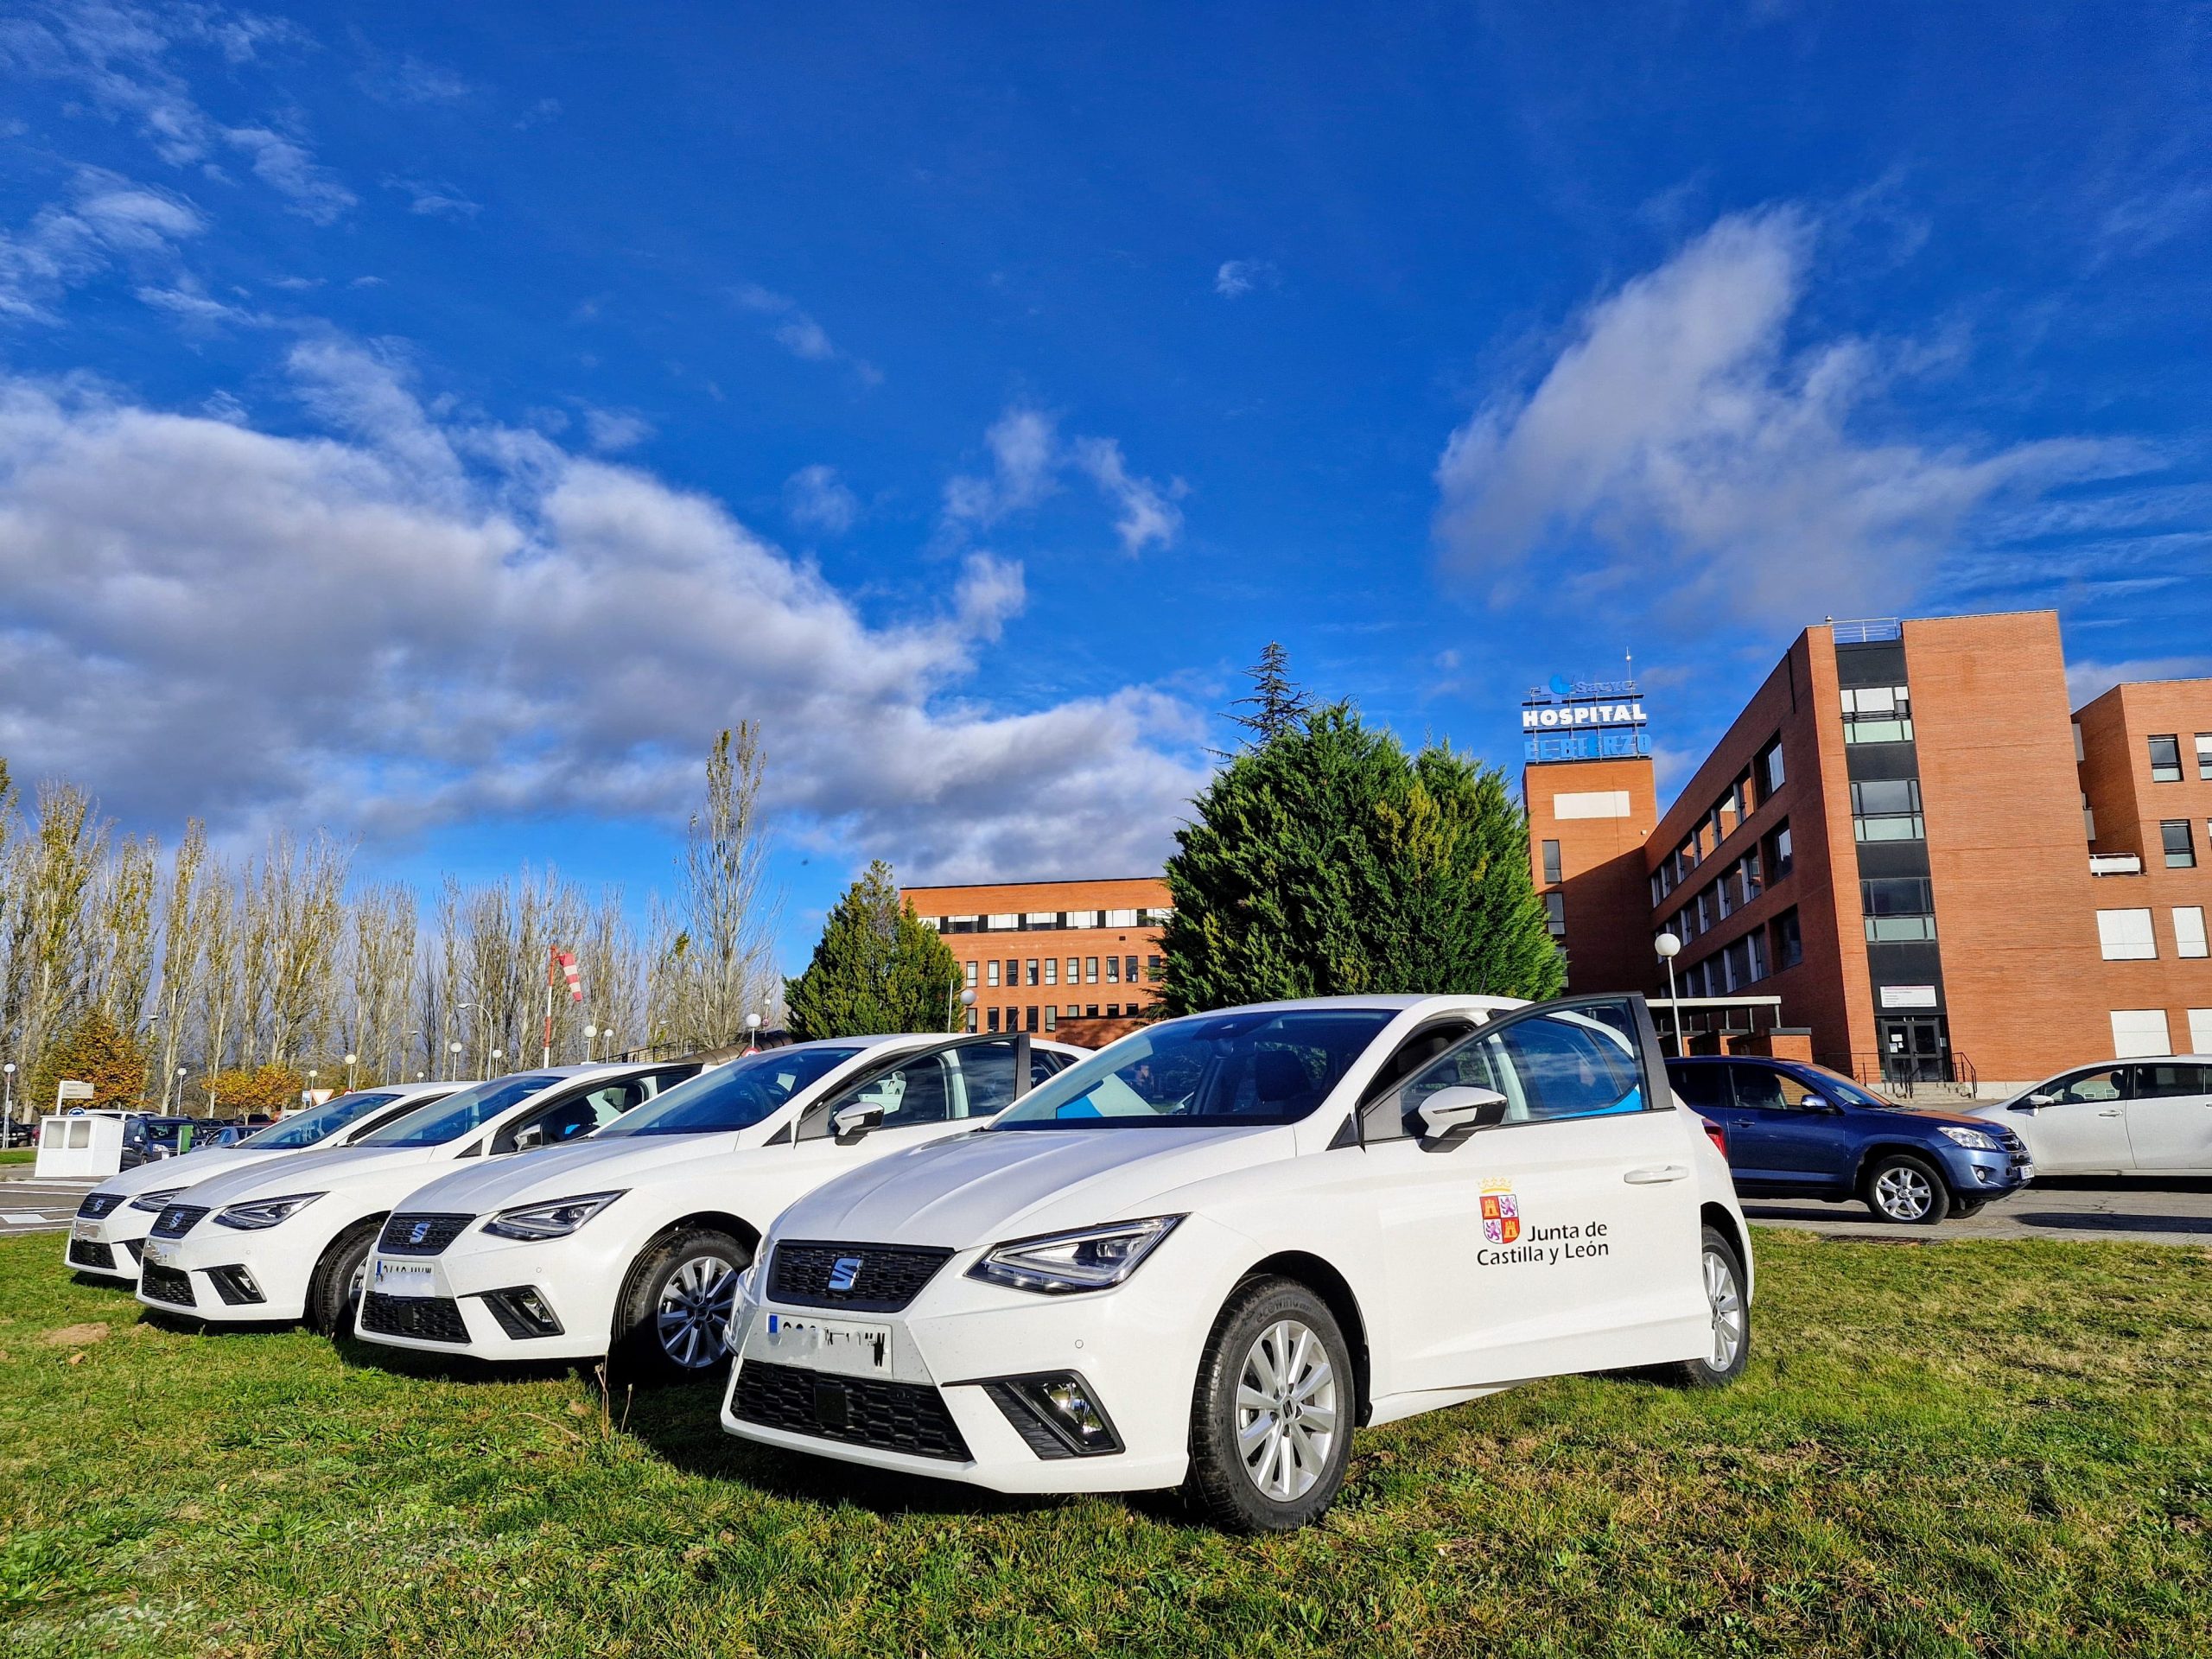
1204, 1255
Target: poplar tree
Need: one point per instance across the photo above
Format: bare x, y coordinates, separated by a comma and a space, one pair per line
876, 969
1328, 861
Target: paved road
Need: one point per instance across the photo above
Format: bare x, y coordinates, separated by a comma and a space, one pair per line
2145, 1212
30, 1205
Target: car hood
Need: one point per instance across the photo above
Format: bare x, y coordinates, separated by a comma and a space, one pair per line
1976, 1118
481, 1186
994, 1185
201, 1166
312, 1171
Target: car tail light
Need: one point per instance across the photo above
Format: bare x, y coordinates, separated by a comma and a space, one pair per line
1715, 1133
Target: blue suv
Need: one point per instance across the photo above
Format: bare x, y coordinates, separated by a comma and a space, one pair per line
1795, 1130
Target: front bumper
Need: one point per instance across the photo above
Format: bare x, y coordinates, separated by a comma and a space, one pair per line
493, 1298
228, 1275
936, 1404
1975, 1176
108, 1248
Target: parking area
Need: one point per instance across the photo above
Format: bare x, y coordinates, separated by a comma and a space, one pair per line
2138, 1211
30, 1205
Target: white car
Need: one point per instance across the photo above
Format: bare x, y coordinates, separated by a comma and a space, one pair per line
114, 1217
1202, 1256
630, 1240
2121, 1117
291, 1241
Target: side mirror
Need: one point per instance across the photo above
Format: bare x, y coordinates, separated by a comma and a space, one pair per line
2033, 1102
1458, 1107
1817, 1103
850, 1122
530, 1139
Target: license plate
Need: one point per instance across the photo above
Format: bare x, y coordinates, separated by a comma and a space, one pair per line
86, 1230
2027, 1172
843, 1346
160, 1255
402, 1279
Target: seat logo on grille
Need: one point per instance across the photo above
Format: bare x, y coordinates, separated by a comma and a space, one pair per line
844, 1272
418, 1232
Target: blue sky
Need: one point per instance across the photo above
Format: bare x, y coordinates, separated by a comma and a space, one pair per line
434, 422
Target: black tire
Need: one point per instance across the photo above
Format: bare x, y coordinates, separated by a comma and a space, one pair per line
335, 1292
1720, 1267
1296, 1480
691, 1276
1907, 1191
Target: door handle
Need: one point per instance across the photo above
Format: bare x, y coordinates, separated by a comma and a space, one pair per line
2108, 1114
1652, 1175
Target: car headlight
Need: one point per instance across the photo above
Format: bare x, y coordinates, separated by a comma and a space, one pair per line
1972, 1139
155, 1203
258, 1213
555, 1220
1057, 1264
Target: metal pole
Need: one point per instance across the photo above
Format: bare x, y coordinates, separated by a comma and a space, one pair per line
1674, 1011
552, 967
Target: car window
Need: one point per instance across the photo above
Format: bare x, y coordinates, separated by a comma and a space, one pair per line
2091, 1088
1761, 1088
1702, 1087
987, 1075
1561, 1064
2165, 1082
916, 1090
573, 1114
457, 1115
306, 1128
745, 1092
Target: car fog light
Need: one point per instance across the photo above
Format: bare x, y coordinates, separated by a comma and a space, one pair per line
522, 1313
1057, 1415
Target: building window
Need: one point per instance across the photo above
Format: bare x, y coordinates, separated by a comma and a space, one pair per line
1120, 919
2080, 753
2165, 759
1551, 863
1788, 941
1013, 970
1128, 970
1887, 810
1083, 919
2139, 1033
1029, 1021
960, 923
1002, 924
1052, 970
2200, 1031
1770, 771
1041, 919
993, 973
1091, 970
1878, 713
994, 1019
2124, 935
2204, 756
1555, 912
1112, 1010
1052, 1016
2188, 930
1898, 907
2088, 817
935, 923
970, 968
1113, 970
1071, 1011
971, 1022
2181, 848
1029, 971
1090, 1010
1151, 968
1075, 972
1778, 863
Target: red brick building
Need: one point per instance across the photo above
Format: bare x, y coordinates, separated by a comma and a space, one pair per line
1908, 839
1078, 959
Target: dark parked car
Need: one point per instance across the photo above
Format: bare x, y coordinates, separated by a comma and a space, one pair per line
146, 1139
1795, 1130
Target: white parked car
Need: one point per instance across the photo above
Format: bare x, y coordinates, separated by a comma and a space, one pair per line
1203, 1256
2121, 1117
291, 1241
114, 1218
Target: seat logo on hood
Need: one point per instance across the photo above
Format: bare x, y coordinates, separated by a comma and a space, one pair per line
418, 1232
844, 1272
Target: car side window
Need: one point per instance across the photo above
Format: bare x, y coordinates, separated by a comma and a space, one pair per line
1703, 1088
2167, 1082
1761, 1088
918, 1091
1561, 1064
660, 1081
575, 1115
987, 1075
2090, 1088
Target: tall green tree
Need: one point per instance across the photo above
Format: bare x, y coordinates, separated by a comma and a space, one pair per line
876, 969
1328, 861
1276, 703
97, 1050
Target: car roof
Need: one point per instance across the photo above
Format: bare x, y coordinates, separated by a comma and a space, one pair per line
1398, 1000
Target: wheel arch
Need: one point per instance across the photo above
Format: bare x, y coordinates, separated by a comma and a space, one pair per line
1875, 1151
1320, 1277
720, 1221
1723, 1221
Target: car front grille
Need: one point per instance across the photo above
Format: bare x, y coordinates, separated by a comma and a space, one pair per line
860, 1411
877, 1278
137, 1247
178, 1219
426, 1319
420, 1234
97, 1204
167, 1285
89, 1253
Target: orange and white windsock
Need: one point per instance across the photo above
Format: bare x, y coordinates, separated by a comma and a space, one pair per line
568, 972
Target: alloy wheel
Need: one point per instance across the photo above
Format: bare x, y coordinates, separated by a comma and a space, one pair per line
1286, 1410
1903, 1193
1726, 1301
691, 1319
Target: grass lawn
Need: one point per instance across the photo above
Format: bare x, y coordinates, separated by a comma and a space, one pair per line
1963, 1449
19, 1155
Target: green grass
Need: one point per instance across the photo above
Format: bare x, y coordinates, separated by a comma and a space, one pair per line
19, 1155
1977, 1447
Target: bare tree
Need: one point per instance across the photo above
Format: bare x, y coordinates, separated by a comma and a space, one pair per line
711, 962
180, 947
612, 959
382, 961
121, 944
295, 908
51, 871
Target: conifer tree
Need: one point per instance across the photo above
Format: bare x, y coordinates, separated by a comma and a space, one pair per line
1277, 702
1328, 861
875, 969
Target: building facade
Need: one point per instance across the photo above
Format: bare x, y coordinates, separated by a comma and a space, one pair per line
1078, 959
1894, 839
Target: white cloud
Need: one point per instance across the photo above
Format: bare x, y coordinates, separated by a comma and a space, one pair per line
1027, 457
610, 430
815, 498
1238, 278
1678, 442
414, 80
108, 222
414, 619
435, 200
288, 167
798, 333
2089, 679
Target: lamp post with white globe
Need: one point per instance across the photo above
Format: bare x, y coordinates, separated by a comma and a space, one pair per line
591, 1039
7, 1113
1669, 948
351, 1061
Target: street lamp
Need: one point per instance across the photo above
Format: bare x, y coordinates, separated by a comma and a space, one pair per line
753, 1033
7, 1117
591, 1037
1669, 948
350, 1060
454, 1049
498, 1055
967, 1001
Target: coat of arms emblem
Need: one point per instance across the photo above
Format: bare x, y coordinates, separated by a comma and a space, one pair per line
1501, 1214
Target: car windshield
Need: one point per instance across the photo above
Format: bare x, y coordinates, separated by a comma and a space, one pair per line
456, 1114
308, 1129
1845, 1089
733, 1096
1262, 1066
